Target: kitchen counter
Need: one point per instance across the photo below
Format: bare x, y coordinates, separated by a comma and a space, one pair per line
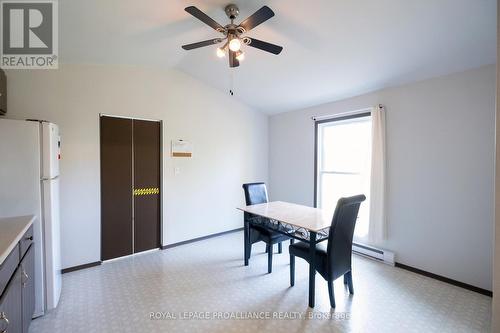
12, 230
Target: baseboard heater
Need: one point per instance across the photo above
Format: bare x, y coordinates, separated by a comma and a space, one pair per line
387, 257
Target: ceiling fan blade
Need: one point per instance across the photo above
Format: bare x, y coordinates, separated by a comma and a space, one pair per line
233, 62
203, 17
265, 46
202, 44
262, 15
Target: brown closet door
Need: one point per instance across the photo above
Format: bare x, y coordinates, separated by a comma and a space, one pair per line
146, 185
116, 187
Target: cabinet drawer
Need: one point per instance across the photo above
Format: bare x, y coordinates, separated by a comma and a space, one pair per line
8, 267
26, 241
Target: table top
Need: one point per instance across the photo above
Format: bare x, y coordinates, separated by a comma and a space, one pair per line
312, 219
12, 230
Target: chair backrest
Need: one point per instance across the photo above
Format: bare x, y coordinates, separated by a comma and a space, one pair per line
341, 233
255, 193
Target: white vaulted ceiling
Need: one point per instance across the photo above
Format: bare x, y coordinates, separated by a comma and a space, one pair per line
332, 48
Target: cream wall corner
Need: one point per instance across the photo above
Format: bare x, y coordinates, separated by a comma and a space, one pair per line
440, 157
230, 141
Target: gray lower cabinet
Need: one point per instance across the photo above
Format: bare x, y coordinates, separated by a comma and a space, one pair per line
28, 287
3, 93
11, 318
17, 301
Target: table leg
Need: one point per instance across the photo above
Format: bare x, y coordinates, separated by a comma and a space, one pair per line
312, 267
246, 239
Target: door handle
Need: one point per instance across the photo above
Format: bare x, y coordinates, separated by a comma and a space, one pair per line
5, 321
25, 278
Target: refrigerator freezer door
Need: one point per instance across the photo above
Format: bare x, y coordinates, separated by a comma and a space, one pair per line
20, 192
52, 236
50, 150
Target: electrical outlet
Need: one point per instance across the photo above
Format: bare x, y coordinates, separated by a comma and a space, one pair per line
177, 171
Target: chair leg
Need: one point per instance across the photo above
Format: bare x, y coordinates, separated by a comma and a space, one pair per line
280, 248
345, 278
348, 275
267, 248
246, 241
292, 270
331, 293
270, 259
248, 253
292, 241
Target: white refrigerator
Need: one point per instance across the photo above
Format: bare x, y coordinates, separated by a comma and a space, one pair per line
29, 185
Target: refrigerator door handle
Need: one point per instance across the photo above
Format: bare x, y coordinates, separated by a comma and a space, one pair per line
45, 179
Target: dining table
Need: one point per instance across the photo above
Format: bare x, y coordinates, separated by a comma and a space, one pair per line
303, 223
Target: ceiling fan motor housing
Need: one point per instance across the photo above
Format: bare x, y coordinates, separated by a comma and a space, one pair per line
232, 11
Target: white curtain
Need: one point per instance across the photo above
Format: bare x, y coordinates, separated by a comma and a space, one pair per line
377, 230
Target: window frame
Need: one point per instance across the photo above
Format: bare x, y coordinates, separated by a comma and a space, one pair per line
316, 144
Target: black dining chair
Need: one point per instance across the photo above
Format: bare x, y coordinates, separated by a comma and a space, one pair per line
333, 260
256, 193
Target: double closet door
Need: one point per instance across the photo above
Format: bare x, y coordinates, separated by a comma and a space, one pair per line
130, 186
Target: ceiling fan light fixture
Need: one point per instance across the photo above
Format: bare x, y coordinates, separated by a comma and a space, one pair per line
220, 52
235, 44
240, 55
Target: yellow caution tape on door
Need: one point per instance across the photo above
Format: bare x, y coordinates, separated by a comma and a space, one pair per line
146, 191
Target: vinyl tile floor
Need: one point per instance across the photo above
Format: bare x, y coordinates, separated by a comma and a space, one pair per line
204, 287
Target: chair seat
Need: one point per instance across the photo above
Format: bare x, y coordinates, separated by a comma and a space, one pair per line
301, 249
269, 236
256, 193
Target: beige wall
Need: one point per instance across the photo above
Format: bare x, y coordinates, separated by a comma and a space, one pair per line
440, 147
230, 145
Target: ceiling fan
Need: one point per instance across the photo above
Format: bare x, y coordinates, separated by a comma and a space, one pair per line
233, 33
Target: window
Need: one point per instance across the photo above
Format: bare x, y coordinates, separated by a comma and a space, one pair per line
343, 164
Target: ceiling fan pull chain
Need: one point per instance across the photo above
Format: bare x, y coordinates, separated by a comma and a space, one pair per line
231, 82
